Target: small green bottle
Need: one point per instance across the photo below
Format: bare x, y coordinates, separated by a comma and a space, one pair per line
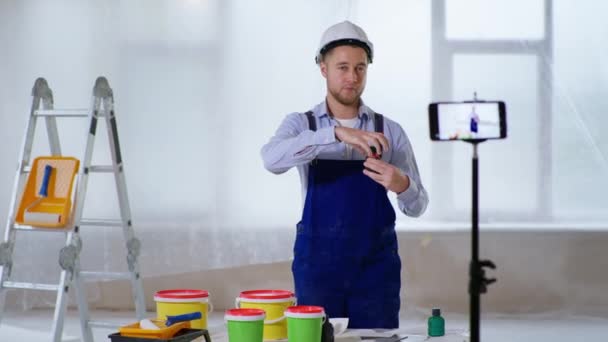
436, 324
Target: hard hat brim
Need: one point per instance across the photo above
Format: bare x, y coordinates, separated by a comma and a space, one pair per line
346, 41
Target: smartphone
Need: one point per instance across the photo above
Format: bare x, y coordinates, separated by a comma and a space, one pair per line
468, 120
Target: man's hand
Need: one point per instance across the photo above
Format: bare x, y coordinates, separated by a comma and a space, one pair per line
386, 175
362, 140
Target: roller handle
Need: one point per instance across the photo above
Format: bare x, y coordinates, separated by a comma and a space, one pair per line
44, 188
182, 318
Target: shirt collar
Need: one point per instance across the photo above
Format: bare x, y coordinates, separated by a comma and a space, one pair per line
364, 111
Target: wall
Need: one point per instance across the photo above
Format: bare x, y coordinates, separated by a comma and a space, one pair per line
537, 271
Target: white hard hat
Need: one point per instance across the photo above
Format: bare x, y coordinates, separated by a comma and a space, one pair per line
344, 33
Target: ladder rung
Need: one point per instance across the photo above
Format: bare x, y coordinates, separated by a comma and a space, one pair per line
30, 286
101, 222
94, 275
99, 324
62, 112
40, 229
92, 168
101, 168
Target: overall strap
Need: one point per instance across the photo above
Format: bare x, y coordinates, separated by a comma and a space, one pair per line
378, 123
312, 124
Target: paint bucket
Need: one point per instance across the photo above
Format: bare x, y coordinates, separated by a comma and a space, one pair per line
245, 325
183, 301
305, 323
274, 303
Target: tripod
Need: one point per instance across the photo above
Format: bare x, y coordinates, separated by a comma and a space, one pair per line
477, 280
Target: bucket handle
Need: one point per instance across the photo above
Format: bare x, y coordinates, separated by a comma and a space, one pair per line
273, 321
237, 302
209, 307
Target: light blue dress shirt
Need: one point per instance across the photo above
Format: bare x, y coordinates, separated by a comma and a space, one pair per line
294, 144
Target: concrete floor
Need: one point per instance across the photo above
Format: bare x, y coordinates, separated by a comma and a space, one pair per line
34, 325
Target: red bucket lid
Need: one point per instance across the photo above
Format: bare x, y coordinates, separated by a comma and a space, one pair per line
245, 312
305, 309
182, 294
245, 315
267, 294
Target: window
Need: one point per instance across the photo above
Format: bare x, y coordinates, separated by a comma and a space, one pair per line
553, 165
476, 48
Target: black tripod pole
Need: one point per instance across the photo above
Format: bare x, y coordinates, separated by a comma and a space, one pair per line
478, 283
474, 288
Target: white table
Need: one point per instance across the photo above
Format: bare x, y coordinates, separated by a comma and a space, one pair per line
348, 337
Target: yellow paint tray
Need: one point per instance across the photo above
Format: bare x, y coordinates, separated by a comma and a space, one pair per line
134, 330
47, 198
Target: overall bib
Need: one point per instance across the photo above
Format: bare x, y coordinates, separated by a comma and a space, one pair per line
345, 255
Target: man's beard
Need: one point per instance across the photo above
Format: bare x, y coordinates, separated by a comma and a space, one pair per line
346, 100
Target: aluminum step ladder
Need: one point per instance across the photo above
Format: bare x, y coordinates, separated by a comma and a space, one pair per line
102, 107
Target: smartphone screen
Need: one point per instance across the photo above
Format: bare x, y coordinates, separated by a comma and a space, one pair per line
467, 120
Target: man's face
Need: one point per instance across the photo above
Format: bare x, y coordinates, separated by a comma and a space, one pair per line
345, 69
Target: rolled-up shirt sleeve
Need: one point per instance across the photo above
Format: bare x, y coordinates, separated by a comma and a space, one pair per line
294, 144
414, 200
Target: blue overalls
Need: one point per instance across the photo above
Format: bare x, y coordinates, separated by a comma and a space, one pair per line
345, 255
473, 126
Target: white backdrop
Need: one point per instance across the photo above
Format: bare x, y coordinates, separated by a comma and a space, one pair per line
200, 85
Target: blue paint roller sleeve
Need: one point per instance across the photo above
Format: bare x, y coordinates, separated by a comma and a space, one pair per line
182, 318
44, 188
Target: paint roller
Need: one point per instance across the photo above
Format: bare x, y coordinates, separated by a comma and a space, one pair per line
156, 324
31, 215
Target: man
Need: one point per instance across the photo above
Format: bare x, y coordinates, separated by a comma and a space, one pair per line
345, 255
473, 123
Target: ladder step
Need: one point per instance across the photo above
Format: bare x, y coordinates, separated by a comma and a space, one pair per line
78, 113
41, 229
101, 222
30, 286
92, 168
83, 222
101, 168
99, 324
94, 275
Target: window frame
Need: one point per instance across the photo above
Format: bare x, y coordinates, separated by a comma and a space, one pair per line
443, 53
